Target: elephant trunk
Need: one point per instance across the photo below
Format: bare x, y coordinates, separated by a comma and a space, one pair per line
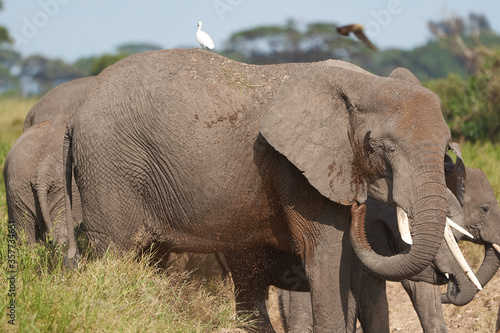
467, 291
429, 212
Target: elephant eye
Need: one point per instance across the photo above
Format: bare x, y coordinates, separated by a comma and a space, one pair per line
484, 209
389, 147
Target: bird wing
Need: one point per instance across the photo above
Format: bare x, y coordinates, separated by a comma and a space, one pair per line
362, 37
204, 39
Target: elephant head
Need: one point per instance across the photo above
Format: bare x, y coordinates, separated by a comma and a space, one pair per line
368, 136
482, 220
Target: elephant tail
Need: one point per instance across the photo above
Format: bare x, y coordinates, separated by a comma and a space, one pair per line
68, 162
41, 190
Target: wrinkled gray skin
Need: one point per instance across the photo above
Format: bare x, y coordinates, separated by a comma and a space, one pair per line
34, 171
482, 219
186, 150
34, 182
59, 100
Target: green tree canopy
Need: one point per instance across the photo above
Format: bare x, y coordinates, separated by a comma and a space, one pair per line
133, 48
289, 43
48, 72
95, 65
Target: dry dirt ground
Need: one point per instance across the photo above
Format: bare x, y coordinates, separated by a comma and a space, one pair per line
478, 316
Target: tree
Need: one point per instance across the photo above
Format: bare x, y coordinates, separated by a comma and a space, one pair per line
4, 33
47, 73
467, 38
133, 48
288, 43
471, 106
100, 63
95, 65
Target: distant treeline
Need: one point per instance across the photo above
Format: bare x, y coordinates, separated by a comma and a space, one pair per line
461, 63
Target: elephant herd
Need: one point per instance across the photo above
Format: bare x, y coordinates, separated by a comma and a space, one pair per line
321, 179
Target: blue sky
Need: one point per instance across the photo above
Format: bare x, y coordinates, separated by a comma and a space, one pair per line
70, 29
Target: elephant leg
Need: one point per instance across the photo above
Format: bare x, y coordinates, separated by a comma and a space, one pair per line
251, 283
329, 274
296, 311
373, 310
426, 299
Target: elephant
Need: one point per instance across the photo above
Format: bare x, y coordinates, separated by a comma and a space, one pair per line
34, 182
481, 220
59, 100
186, 150
34, 170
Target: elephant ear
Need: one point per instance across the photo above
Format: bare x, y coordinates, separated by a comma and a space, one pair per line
404, 74
456, 174
308, 121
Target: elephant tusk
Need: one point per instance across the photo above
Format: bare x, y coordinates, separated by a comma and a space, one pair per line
404, 226
458, 228
459, 257
496, 247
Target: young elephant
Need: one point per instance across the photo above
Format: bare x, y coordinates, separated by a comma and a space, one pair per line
34, 171
481, 219
33, 182
59, 100
189, 151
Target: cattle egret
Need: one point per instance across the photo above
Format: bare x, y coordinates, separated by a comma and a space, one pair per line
203, 38
357, 30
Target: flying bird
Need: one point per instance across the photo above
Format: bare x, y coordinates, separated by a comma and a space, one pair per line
357, 29
204, 39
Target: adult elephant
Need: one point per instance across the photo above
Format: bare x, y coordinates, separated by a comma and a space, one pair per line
186, 150
481, 220
34, 170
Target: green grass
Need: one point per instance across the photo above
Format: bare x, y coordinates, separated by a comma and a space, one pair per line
484, 156
117, 293
13, 110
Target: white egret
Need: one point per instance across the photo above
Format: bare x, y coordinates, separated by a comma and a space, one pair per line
204, 39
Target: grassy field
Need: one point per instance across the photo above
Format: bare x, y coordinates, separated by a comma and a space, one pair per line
123, 293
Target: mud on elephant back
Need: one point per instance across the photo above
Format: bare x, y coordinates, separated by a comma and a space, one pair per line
186, 150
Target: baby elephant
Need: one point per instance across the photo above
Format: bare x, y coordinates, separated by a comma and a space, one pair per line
34, 182
34, 171
482, 220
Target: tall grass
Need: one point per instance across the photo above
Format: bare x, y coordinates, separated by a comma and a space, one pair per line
484, 156
13, 110
117, 293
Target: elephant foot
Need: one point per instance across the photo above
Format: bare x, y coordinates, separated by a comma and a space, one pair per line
72, 263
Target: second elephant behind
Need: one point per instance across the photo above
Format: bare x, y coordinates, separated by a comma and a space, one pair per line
482, 220
34, 169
